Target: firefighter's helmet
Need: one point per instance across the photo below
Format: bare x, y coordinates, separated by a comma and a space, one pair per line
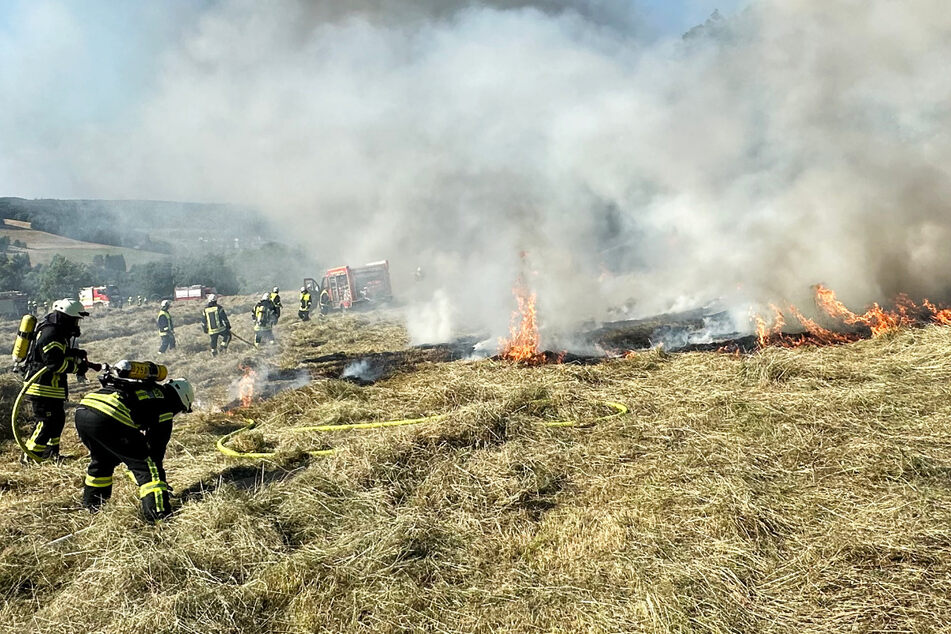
166, 304
265, 296
276, 290
212, 299
69, 307
303, 289
185, 391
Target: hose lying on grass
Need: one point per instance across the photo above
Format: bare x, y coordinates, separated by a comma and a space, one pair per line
619, 408
35, 457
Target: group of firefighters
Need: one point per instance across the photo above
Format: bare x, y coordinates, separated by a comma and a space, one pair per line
215, 323
129, 418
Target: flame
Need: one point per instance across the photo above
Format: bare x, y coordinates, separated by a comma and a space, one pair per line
523, 346
246, 385
875, 321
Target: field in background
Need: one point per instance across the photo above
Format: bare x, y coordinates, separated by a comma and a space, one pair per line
42, 246
802, 490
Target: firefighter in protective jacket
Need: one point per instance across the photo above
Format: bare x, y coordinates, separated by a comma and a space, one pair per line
324, 301
216, 325
165, 327
275, 297
130, 422
305, 302
52, 350
263, 316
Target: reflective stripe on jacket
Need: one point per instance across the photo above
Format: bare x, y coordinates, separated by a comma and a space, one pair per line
214, 323
164, 323
135, 408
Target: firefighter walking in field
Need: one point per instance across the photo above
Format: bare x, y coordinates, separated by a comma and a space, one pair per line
165, 327
51, 350
305, 302
216, 325
324, 301
130, 422
263, 316
275, 297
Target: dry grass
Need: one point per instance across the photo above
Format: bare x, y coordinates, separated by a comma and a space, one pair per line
791, 491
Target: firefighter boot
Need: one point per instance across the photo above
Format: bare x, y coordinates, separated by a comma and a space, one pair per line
96, 492
155, 501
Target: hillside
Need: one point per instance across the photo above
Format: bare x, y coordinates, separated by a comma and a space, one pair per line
804, 490
141, 224
42, 246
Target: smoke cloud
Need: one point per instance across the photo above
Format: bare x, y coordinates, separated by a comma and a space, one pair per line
794, 142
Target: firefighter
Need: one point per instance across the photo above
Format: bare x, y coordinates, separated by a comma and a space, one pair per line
165, 327
305, 302
216, 325
51, 349
263, 316
275, 298
130, 422
324, 301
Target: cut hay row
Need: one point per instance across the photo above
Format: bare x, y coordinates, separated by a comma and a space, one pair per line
802, 490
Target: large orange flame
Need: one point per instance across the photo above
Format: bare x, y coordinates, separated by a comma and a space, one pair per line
246, 385
875, 319
524, 344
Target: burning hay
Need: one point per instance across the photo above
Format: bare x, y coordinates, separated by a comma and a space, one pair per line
873, 322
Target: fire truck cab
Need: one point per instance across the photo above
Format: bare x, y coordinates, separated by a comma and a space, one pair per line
93, 297
360, 287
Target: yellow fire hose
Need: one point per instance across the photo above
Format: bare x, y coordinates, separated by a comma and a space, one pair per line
16, 409
619, 408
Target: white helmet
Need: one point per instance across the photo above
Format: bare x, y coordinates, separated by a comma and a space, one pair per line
265, 296
69, 307
166, 304
185, 392
303, 289
212, 298
276, 290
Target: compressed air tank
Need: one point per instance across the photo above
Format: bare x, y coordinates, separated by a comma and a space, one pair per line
24, 336
141, 370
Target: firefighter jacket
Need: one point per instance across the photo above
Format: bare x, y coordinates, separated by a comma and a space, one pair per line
263, 315
51, 351
139, 405
276, 300
164, 323
324, 298
305, 301
215, 320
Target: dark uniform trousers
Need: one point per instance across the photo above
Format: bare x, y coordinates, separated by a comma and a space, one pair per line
110, 443
50, 414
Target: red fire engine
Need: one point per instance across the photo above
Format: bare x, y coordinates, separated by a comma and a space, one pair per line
100, 297
355, 287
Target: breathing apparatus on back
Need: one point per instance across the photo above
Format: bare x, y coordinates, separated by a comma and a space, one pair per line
26, 334
133, 375
128, 372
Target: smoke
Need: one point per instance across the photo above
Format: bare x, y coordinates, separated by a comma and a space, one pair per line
794, 142
430, 321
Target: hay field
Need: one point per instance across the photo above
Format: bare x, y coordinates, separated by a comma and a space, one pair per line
790, 491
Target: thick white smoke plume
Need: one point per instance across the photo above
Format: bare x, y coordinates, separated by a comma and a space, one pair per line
794, 142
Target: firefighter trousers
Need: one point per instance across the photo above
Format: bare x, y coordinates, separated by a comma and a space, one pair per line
304, 315
51, 418
263, 336
168, 342
225, 338
110, 443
